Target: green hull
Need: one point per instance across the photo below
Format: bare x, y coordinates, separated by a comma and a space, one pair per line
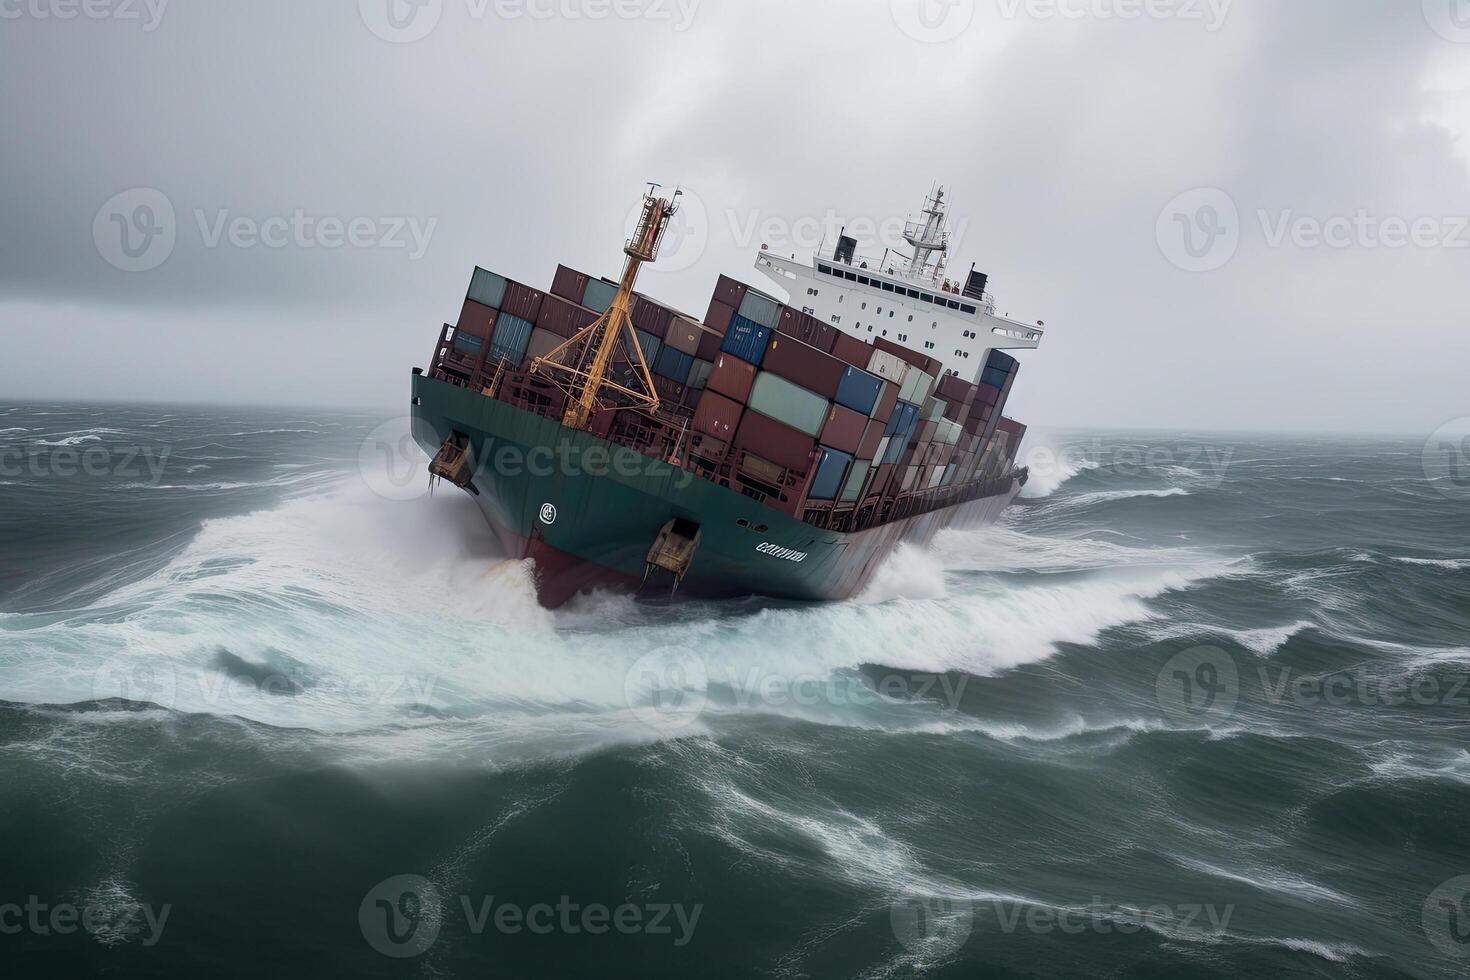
587, 511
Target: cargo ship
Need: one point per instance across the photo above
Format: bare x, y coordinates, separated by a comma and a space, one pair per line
773, 447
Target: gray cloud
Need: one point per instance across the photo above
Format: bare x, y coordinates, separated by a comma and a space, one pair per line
520, 141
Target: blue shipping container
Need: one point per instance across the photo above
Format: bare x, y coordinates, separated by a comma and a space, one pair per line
648, 343
467, 343
859, 391
512, 335
1002, 361
831, 472
905, 417
995, 377
598, 295
674, 365
486, 288
746, 339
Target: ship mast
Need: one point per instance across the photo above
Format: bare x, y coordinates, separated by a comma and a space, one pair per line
585, 359
928, 238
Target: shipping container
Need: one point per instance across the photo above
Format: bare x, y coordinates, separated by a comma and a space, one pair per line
881, 455
522, 301
806, 328
673, 364
717, 416
649, 344
746, 339
732, 377
831, 474
599, 294
788, 403
994, 378
859, 390
803, 364
468, 344
476, 319
917, 387
543, 342
953, 388
564, 317
948, 433
487, 288
936, 476
512, 336
683, 334
569, 284
872, 438
909, 478
906, 354
851, 350
886, 402
759, 308
773, 441
887, 367
856, 477
934, 409
730, 292
986, 395
905, 417
844, 429
761, 469
699, 374
651, 317
709, 344
719, 316
1002, 361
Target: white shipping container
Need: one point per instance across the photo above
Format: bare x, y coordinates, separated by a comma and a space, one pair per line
888, 367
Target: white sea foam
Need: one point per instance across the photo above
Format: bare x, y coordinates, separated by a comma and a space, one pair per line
1109, 496
1044, 480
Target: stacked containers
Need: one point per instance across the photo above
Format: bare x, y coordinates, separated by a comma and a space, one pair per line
569, 284
487, 288
806, 328
831, 476
512, 337
522, 301
564, 317
760, 308
598, 294
746, 339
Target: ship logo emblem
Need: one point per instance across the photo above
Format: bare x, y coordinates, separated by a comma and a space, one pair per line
548, 514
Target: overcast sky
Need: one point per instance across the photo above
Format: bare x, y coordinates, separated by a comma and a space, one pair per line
1242, 214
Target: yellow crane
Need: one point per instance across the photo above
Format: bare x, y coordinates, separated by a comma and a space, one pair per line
585, 359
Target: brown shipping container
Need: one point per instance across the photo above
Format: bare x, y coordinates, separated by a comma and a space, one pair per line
651, 317
683, 335
887, 402
804, 364
709, 344
476, 320
851, 350
732, 377
987, 395
920, 361
910, 477
569, 284
927, 430
953, 388
719, 316
564, 317
730, 292
844, 430
807, 329
543, 342
522, 301
933, 367
771, 440
872, 436
718, 416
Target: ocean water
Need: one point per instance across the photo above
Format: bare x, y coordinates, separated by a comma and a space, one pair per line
1196, 707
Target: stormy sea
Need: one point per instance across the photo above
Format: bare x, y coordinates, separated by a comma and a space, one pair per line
1196, 707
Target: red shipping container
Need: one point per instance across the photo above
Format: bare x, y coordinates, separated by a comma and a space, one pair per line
927, 430
920, 361
718, 416
844, 430
569, 284
807, 329
477, 320
683, 335
732, 377
953, 388
872, 436
652, 318
709, 345
988, 395
933, 367
851, 350
887, 402
730, 292
563, 317
804, 364
522, 301
719, 316
771, 440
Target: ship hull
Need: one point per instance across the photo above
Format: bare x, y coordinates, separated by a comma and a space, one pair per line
586, 511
